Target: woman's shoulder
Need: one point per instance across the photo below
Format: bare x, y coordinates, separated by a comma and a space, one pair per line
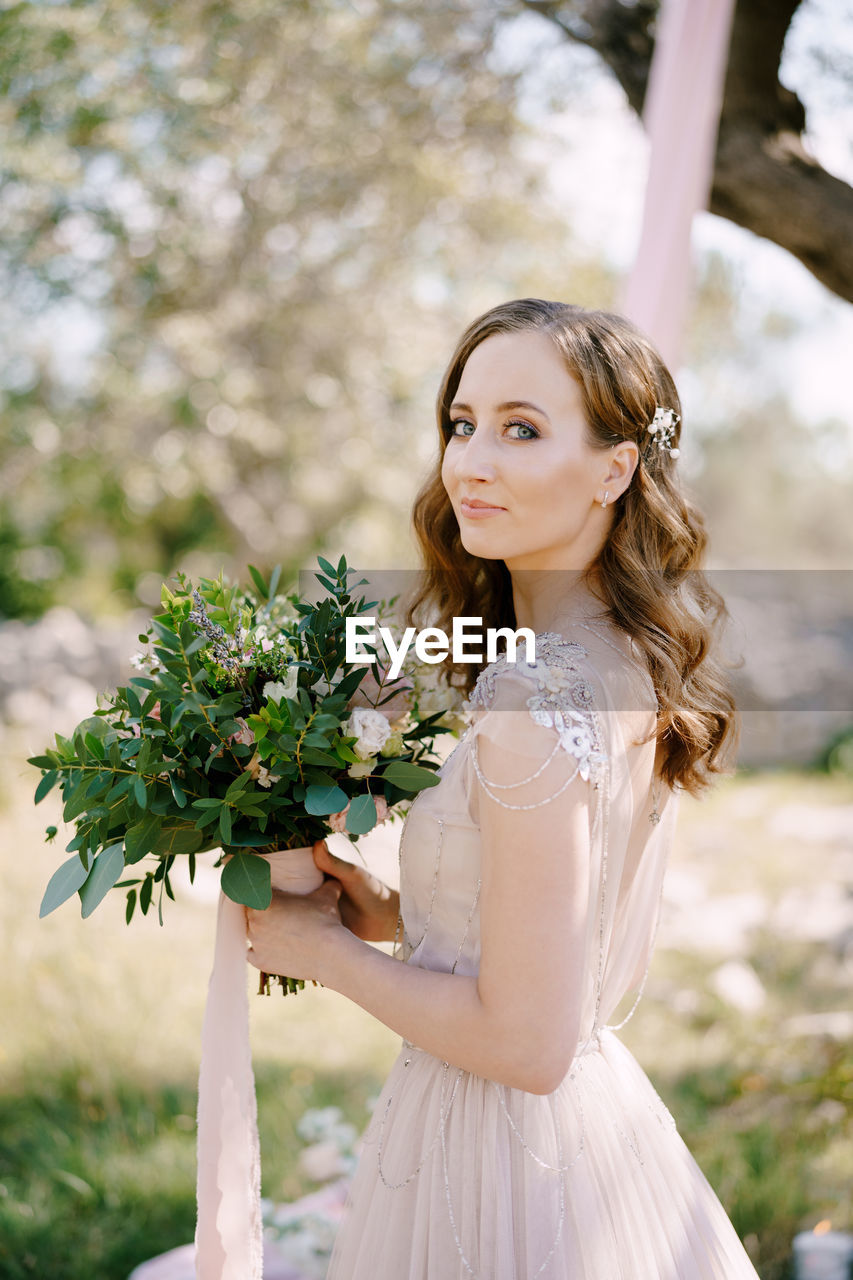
562, 669
555, 690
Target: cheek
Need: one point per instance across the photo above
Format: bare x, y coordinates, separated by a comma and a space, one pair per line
554, 484
447, 470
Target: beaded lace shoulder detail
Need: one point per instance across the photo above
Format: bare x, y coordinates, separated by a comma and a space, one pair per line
563, 700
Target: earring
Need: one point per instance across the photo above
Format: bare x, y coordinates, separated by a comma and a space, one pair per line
604, 499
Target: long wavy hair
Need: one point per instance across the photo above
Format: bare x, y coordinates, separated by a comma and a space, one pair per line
648, 573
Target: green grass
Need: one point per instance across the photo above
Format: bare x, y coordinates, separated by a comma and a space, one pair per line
101, 1026
98, 1176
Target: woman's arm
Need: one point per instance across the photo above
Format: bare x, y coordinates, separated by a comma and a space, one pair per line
516, 1022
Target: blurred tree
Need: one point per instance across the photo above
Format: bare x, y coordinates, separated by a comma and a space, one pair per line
238, 242
231, 240
765, 179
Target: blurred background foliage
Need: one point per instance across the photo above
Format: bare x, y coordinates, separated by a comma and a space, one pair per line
247, 225
238, 245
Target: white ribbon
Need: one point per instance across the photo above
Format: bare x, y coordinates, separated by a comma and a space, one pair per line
229, 1230
682, 113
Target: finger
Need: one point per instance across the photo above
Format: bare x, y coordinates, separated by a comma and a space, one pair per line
330, 890
329, 863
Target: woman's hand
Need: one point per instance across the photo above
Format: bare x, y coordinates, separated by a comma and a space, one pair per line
296, 933
368, 907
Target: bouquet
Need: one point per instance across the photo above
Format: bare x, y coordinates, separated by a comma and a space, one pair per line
244, 730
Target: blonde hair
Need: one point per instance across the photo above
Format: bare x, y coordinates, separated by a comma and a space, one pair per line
648, 572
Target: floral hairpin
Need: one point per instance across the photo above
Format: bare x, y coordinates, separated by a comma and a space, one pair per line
662, 428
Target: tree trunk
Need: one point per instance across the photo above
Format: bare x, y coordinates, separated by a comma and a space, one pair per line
764, 178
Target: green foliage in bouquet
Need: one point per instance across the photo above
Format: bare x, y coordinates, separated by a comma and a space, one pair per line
239, 733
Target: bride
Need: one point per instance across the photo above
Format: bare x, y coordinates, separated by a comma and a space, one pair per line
516, 1136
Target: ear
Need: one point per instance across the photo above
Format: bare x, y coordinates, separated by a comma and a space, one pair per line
621, 465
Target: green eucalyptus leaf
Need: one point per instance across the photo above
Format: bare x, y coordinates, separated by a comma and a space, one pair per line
239, 785
82, 795
94, 725
95, 745
133, 703
106, 869
310, 755
167, 636
410, 777
177, 792
322, 800
47, 784
145, 893
64, 882
178, 838
246, 879
121, 788
361, 815
141, 838
248, 840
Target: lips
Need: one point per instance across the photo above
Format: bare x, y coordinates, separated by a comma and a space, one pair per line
475, 509
475, 504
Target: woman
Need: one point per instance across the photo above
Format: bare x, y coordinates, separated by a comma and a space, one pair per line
516, 1136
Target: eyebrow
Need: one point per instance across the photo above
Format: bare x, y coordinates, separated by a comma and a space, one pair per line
507, 404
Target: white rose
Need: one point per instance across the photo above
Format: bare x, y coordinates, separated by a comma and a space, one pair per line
275, 690
370, 729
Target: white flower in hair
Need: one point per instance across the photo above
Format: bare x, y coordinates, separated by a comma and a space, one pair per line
662, 428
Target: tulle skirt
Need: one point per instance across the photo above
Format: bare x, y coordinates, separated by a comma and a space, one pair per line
461, 1177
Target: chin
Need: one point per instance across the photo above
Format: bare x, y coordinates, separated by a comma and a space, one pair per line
483, 548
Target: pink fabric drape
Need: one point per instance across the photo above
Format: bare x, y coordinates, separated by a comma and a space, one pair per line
681, 116
229, 1237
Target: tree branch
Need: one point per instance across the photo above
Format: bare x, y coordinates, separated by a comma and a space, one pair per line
764, 177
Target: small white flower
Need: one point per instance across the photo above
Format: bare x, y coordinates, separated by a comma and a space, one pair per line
265, 778
370, 729
276, 690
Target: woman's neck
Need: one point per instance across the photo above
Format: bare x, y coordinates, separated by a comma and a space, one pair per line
555, 599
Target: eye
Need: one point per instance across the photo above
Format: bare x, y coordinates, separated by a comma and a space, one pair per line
530, 433
457, 427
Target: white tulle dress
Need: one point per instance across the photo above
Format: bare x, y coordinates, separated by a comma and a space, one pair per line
461, 1177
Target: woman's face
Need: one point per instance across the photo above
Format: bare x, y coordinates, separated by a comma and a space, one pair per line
523, 481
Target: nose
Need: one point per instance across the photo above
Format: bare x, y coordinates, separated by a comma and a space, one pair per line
475, 458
